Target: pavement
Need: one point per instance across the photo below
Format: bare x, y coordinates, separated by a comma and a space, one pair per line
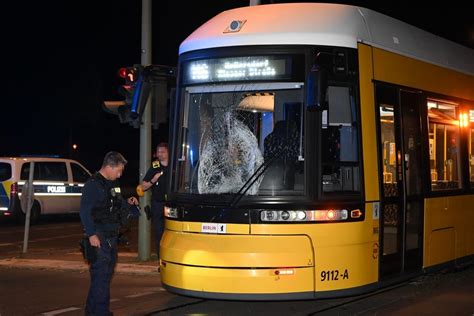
128, 262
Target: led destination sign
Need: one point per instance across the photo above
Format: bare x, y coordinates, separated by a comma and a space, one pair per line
237, 69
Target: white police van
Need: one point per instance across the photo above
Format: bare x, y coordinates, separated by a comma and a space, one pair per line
57, 186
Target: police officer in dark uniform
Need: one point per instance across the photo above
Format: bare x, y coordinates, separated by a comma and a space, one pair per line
103, 211
155, 178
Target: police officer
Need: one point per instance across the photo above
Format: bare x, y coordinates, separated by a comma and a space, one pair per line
102, 212
155, 178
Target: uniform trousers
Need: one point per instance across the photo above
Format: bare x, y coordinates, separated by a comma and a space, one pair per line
101, 271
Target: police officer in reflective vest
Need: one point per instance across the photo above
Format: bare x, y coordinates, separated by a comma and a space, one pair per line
103, 211
156, 178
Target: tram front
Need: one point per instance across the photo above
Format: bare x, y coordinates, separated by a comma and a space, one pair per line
245, 155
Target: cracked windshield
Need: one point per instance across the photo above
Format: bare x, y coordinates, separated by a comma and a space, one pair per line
244, 138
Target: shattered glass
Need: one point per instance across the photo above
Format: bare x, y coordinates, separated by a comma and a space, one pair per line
237, 139
230, 154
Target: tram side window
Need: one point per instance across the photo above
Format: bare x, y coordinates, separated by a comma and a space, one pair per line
388, 146
471, 147
444, 146
340, 147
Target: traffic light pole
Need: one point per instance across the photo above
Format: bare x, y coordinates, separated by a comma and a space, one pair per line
144, 227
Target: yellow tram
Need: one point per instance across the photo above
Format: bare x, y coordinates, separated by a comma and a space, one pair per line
318, 150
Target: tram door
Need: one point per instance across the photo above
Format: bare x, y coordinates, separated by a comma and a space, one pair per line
401, 216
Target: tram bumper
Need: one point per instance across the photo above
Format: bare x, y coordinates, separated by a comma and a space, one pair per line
239, 267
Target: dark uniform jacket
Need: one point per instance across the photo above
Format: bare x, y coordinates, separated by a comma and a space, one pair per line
158, 193
101, 205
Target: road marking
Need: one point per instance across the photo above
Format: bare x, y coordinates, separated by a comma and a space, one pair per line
61, 311
7, 244
140, 294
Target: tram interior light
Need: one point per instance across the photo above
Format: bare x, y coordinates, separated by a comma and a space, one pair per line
463, 120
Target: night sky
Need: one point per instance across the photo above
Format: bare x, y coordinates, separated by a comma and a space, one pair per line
60, 62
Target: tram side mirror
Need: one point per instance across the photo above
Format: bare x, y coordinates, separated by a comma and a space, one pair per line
317, 88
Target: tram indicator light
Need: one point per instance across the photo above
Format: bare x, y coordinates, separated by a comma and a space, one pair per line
331, 214
356, 213
284, 272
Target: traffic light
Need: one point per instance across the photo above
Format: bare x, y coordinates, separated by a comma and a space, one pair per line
139, 81
130, 75
129, 90
136, 91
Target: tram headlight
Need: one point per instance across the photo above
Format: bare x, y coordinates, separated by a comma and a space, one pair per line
301, 215
329, 215
269, 216
171, 212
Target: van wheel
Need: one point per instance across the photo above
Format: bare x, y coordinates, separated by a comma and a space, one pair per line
34, 215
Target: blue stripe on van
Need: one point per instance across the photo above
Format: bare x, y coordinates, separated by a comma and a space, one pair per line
4, 198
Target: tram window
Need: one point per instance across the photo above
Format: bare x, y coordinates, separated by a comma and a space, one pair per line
444, 146
340, 146
471, 147
229, 132
388, 147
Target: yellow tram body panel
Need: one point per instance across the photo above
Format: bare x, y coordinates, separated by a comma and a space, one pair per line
369, 144
237, 251
317, 257
227, 263
447, 235
406, 71
236, 281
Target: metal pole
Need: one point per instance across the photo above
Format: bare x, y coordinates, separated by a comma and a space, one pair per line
144, 231
29, 203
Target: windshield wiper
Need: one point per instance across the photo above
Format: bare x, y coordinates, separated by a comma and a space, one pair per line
255, 176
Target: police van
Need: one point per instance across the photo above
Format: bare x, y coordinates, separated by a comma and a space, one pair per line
57, 186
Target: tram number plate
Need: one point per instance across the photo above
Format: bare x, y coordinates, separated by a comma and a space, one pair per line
334, 275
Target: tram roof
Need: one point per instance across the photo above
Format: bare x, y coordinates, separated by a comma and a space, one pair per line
331, 25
